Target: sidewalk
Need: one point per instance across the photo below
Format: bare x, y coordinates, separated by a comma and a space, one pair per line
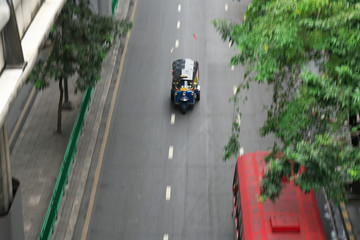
38, 152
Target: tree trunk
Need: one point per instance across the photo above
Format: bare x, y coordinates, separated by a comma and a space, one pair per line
66, 104
66, 91
58, 130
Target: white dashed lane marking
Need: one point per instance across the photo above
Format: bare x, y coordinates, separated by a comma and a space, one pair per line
171, 152
176, 43
226, 7
172, 120
179, 8
178, 24
241, 151
232, 67
168, 193
238, 119
235, 89
166, 237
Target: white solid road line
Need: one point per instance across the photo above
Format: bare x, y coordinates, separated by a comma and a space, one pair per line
179, 8
168, 193
226, 7
172, 120
176, 43
171, 152
166, 237
178, 25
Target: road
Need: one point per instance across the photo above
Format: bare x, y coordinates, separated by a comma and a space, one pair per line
160, 180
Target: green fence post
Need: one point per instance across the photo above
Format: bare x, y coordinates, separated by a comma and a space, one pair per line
114, 4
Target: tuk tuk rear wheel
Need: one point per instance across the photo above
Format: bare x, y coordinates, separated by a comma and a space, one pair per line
183, 108
198, 96
172, 96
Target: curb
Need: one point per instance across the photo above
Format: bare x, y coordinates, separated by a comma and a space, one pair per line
346, 220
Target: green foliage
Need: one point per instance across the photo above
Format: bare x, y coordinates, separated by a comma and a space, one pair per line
233, 144
277, 42
323, 162
81, 40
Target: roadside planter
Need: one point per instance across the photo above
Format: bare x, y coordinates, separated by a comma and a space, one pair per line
11, 224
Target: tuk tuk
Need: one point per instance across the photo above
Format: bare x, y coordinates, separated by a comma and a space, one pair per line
185, 88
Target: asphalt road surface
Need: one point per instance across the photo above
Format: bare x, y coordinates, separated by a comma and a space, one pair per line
162, 175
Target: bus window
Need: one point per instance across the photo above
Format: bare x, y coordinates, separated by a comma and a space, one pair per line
238, 204
235, 185
239, 215
241, 232
237, 207
236, 193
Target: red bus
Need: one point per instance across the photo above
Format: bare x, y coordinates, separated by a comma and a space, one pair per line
294, 215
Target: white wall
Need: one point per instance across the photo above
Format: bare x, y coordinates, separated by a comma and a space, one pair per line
2, 59
25, 11
4, 18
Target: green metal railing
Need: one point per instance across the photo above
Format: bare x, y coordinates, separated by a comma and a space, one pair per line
114, 4
62, 180
51, 214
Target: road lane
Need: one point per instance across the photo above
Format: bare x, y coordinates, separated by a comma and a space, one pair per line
131, 198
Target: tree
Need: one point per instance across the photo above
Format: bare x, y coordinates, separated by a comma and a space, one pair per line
81, 40
309, 114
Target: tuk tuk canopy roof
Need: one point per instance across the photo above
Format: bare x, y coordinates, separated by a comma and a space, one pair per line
185, 69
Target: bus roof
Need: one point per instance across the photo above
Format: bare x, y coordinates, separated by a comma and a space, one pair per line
294, 215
